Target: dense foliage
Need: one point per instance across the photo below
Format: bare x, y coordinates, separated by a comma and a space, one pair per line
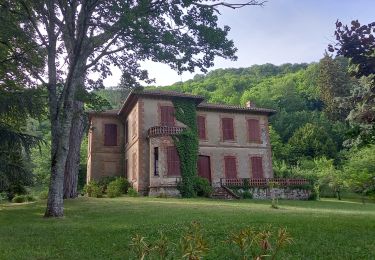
187, 145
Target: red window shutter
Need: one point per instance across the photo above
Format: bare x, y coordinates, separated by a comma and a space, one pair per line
167, 115
257, 167
254, 130
173, 162
230, 167
110, 134
227, 128
201, 122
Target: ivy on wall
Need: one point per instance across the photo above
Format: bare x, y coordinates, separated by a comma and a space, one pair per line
187, 145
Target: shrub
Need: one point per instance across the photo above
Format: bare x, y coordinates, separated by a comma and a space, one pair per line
19, 199
30, 198
104, 181
43, 195
92, 189
132, 192
202, 187
3, 197
117, 187
247, 194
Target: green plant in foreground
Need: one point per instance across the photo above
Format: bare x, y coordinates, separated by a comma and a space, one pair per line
193, 243
162, 246
259, 244
139, 246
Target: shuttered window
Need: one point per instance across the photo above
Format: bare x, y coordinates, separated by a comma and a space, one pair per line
110, 134
201, 123
230, 167
257, 167
227, 128
173, 162
167, 116
253, 128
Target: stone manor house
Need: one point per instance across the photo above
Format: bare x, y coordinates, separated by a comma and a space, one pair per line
136, 142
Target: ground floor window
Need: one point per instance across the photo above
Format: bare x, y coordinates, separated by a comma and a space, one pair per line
173, 162
230, 167
257, 167
156, 161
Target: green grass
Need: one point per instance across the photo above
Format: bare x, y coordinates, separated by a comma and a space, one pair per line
102, 228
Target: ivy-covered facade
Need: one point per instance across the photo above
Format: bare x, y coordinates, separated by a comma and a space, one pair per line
161, 140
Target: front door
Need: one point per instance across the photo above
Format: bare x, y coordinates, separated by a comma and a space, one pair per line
204, 167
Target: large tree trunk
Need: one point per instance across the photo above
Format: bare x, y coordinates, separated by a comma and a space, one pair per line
73, 159
59, 153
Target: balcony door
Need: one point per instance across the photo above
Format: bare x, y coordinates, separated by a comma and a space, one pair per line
204, 167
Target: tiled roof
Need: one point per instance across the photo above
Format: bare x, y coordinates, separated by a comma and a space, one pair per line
106, 112
132, 97
167, 93
212, 106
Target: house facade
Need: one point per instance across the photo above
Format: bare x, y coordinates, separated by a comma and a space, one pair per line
136, 142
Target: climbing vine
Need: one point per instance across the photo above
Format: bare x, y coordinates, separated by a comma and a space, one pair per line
187, 145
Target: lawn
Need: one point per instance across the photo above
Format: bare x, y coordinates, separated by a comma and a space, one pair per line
102, 228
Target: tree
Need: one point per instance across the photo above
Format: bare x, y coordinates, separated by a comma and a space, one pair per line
359, 170
18, 54
334, 82
312, 141
357, 43
86, 36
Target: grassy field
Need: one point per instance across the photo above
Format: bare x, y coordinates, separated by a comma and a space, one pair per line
102, 228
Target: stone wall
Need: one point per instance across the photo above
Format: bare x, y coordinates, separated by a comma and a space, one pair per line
279, 193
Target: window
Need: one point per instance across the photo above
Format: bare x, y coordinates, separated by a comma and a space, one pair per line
156, 161
253, 129
257, 167
110, 134
201, 123
173, 162
126, 132
230, 167
227, 128
167, 116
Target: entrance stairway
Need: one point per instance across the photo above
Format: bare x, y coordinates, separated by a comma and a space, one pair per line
224, 193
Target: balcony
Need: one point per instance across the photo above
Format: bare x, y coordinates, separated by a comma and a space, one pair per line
252, 182
156, 131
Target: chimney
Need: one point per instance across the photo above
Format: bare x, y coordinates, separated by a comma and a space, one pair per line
250, 104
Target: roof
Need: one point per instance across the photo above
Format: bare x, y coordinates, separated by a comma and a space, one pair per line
134, 95
224, 107
111, 112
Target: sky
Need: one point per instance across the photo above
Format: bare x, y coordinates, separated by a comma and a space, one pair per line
283, 31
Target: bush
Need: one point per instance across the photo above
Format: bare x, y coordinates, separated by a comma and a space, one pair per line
104, 181
117, 187
132, 192
202, 187
247, 195
93, 189
19, 199
3, 197
43, 195
30, 198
